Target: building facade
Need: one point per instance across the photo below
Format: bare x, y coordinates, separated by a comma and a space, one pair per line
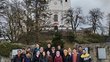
57, 8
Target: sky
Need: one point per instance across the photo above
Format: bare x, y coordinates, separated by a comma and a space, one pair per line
86, 5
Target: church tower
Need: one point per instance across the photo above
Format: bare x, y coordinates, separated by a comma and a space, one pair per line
58, 8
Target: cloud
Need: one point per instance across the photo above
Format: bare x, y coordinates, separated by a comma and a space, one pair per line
86, 5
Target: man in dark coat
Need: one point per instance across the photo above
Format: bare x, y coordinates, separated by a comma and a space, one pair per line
18, 57
53, 52
80, 52
48, 47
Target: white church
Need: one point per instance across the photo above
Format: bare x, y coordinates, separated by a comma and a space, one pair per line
57, 8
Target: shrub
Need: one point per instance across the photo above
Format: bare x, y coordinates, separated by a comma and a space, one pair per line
57, 40
6, 48
71, 37
91, 38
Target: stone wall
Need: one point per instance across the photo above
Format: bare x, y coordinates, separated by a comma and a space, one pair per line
2, 59
93, 51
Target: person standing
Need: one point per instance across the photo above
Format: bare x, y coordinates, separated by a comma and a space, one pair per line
80, 52
58, 57
60, 50
53, 52
43, 58
36, 57
37, 48
74, 55
65, 56
49, 57
48, 47
18, 57
69, 55
27, 58
41, 51
23, 53
86, 57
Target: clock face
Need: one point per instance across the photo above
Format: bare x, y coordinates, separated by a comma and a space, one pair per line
55, 3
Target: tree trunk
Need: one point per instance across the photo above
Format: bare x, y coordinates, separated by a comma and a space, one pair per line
109, 28
37, 22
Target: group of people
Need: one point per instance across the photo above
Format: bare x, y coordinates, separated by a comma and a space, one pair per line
52, 54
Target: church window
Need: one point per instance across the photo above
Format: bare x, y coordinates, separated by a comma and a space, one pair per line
65, 0
55, 18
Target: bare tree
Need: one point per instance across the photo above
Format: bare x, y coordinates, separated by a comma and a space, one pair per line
108, 18
75, 18
33, 13
95, 16
14, 17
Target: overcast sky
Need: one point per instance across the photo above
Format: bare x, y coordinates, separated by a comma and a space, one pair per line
89, 4
86, 5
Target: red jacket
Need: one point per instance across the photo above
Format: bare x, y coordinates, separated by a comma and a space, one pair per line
58, 59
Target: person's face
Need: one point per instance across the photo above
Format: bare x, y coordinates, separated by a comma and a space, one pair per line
80, 48
84, 51
41, 49
74, 51
53, 48
28, 55
59, 47
69, 49
65, 52
48, 53
44, 54
57, 53
37, 45
23, 51
19, 52
29, 49
49, 45
38, 53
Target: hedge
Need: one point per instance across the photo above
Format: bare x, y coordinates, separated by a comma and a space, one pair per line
6, 48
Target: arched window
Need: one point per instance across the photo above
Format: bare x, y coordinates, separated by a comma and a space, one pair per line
66, 0
55, 18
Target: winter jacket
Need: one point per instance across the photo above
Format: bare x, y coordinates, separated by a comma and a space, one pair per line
17, 59
58, 59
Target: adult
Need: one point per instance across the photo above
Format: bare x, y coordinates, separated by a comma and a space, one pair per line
36, 57
60, 50
74, 55
48, 47
41, 51
53, 52
37, 48
86, 57
18, 57
65, 56
23, 53
49, 57
80, 52
69, 55
30, 51
27, 58
43, 58
58, 57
